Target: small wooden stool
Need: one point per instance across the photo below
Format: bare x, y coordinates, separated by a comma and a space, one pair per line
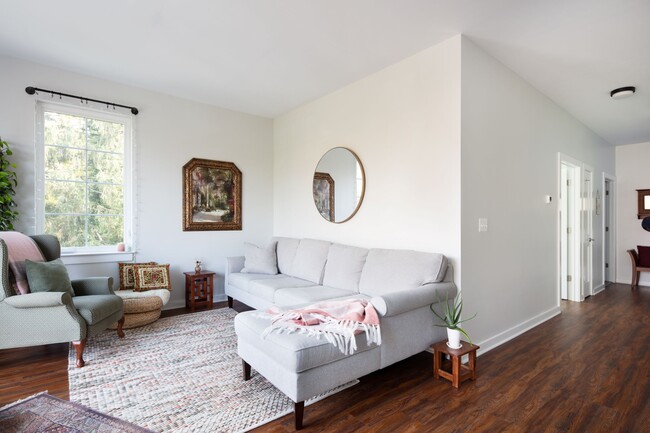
459, 372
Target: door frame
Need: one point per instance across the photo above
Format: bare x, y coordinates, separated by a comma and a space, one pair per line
573, 294
612, 226
587, 232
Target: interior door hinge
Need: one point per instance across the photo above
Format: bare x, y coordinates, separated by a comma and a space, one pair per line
568, 230
569, 278
606, 229
607, 265
568, 182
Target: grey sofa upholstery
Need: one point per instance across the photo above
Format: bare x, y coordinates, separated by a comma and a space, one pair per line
401, 285
55, 317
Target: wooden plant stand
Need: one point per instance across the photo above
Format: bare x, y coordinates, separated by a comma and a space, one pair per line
454, 371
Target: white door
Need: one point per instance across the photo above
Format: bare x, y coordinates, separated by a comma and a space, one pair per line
587, 231
569, 214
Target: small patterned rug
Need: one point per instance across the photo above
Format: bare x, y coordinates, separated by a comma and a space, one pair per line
43, 413
179, 374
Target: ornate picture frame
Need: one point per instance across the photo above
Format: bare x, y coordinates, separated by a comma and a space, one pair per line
212, 195
323, 190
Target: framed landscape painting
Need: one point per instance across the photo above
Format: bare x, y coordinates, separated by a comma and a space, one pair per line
211, 195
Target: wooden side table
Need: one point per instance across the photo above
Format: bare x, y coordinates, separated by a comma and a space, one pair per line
199, 288
458, 372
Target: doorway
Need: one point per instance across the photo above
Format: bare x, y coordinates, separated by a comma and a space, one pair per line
587, 236
570, 228
609, 229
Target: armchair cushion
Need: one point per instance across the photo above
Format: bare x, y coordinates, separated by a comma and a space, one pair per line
48, 277
95, 308
644, 256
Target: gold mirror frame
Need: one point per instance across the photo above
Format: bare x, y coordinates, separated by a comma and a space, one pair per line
323, 183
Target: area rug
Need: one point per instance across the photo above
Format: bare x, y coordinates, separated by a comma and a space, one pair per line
179, 374
43, 413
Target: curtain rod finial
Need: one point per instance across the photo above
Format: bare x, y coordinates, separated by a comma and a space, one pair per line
134, 110
30, 90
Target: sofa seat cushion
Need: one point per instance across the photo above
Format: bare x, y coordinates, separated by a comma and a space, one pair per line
242, 280
307, 295
266, 288
295, 352
95, 308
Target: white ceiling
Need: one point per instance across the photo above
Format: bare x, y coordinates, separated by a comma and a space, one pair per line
266, 57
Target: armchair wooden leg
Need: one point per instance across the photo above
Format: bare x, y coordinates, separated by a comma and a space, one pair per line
246, 369
120, 324
298, 412
79, 347
229, 302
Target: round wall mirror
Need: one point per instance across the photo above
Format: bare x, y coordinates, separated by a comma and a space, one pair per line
339, 185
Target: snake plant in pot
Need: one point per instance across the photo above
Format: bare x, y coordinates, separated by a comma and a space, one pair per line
451, 318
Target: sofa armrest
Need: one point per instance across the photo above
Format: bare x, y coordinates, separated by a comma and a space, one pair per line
394, 303
39, 300
93, 286
234, 264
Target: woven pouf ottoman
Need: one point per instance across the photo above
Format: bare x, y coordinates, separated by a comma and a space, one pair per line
141, 311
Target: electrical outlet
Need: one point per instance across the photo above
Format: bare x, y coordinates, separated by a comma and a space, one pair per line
482, 224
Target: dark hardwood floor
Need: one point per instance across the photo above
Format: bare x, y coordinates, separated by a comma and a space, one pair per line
587, 370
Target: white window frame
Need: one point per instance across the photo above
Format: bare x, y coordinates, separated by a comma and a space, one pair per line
129, 163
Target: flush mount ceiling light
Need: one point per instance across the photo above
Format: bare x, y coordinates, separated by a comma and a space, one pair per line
622, 92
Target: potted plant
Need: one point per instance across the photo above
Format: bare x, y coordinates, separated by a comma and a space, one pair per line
8, 181
451, 320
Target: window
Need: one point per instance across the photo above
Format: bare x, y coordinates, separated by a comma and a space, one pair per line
83, 185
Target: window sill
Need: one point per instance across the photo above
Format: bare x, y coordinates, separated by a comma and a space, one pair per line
97, 257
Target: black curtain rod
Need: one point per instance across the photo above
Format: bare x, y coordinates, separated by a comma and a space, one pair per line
31, 90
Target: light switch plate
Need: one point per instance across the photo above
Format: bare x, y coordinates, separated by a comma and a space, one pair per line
482, 224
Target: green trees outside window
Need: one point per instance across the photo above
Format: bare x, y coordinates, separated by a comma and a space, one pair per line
83, 179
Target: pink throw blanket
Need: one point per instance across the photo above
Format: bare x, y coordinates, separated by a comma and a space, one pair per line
20, 247
338, 321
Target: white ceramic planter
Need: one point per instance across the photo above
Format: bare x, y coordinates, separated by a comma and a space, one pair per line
453, 338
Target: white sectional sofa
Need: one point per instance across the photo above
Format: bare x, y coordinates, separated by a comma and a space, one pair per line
400, 284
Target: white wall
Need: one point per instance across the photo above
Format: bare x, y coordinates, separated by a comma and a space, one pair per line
632, 173
404, 123
168, 132
511, 135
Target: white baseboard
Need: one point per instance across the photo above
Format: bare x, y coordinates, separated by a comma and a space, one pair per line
180, 303
598, 289
509, 334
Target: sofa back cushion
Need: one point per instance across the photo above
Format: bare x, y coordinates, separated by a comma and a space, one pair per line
388, 271
344, 266
310, 259
286, 252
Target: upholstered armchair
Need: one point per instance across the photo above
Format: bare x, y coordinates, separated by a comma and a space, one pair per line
57, 317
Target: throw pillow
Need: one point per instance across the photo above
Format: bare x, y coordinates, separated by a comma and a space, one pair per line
48, 277
260, 260
149, 277
644, 256
127, 279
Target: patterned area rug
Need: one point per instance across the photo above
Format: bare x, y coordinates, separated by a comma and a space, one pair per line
179, 374
45, 413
